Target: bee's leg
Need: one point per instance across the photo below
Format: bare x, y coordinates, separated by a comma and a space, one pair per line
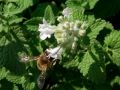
54, 61
48, 56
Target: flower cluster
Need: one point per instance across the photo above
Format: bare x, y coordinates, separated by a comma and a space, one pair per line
66, 32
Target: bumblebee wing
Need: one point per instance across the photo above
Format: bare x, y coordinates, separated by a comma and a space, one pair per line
41, 80
25, 58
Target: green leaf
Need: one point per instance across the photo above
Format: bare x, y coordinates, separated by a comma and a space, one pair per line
87, 4
33, 23
28, 85
3, 72
39, 11
15, 78
109, 26
20, 5
116, 57
71, 63
10, 45
92, 3
116, 80
95, 28
86, 63
3, 51
15, 87
77, 14
113, 40
14, 20
49, 15
11, 0
1, 28
90, 19
72, 59
78, 3
79, 88
92, 65
2, 41
112, 45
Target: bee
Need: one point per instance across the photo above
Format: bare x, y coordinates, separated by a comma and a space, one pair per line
44, 63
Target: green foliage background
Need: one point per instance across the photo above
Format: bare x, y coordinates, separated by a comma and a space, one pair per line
95, 64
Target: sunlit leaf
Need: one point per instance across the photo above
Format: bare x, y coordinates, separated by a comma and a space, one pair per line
112, 44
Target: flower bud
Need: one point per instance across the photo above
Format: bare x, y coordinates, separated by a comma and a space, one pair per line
75, 27
71, 25
74, 45
66, 12
78, 23
84, 26
60, 19
82, 33
66, 25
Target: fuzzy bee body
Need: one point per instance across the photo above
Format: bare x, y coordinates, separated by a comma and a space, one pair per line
45, 62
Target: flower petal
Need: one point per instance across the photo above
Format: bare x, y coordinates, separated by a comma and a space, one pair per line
45, 30
55, 52
43, 36
66, 12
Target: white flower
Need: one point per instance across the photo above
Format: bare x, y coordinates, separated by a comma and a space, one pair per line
45, 30
66, 12
55, 52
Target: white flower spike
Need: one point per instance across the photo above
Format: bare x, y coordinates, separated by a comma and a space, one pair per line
46, 30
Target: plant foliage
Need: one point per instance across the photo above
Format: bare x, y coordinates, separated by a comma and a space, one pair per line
87, 67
